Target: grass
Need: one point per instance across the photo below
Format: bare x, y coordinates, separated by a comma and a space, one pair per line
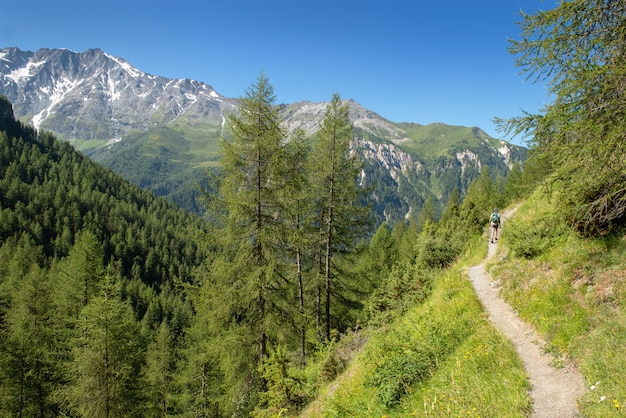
442, 359
573, 291
435, 140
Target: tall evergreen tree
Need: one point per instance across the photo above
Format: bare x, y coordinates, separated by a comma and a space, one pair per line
160, 374
105, 372
296, 202
201, 378
341, 215
246, 285
29, 371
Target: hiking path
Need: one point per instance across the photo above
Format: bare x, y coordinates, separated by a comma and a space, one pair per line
554, 391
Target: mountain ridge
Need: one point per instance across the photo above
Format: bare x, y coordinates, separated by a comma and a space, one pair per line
109, 109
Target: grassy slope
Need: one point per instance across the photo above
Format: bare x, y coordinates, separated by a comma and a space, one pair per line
435, 140
572, 290
465, 367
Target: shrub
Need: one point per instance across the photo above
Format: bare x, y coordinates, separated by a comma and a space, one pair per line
407, 285
530, 238
399, 371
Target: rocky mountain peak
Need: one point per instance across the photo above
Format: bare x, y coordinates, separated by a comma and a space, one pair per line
131, 121
94, 95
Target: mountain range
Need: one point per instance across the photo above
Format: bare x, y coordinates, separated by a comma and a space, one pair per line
163, 134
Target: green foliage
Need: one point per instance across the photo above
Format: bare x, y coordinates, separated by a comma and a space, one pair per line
524, 179
443, 348
29, 373
340, 218
405, 286
334, 356
66, 224
535, 231
108, 354
168, 161
436, 250
163, 390
246, 290
403, 367
50, 193
578, 48
482, 196
574, 295
407, 357
380, 256
285, 391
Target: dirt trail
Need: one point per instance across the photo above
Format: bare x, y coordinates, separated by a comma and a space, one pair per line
554, 391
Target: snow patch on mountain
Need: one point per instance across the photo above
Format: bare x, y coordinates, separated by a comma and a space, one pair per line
25, 72
132, 71
62, 87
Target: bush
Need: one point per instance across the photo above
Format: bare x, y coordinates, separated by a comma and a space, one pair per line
437, 251
530, 237
406, 286
400, 371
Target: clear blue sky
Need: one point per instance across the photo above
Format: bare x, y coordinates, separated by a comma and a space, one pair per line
419, 61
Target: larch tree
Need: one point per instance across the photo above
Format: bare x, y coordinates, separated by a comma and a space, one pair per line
342, 216
245, 286
296, 201
29, 370
105, 373
579, 50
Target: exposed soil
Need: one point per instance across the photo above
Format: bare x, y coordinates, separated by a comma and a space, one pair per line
554, 391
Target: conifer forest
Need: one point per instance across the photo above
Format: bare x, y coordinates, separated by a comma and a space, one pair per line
114, 302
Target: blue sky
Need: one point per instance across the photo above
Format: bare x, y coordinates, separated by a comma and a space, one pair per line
419, 61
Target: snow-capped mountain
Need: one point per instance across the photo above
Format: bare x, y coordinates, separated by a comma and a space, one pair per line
160, 133
94, 95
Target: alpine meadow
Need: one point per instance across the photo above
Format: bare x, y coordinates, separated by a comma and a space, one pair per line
305, 275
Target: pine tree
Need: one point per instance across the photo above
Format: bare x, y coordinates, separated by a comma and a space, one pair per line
29, 371
451, 212
160, 373
478, 202
201, 379
427, 214
381, 255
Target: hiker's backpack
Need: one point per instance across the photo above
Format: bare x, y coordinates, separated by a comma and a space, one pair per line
495, 218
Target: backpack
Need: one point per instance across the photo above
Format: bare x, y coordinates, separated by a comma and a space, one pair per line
495, 218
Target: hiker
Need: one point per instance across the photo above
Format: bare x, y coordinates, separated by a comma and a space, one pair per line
494, 220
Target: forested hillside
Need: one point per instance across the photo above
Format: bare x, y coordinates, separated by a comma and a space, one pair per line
91, 276
284, 302
111, 295
560, 261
